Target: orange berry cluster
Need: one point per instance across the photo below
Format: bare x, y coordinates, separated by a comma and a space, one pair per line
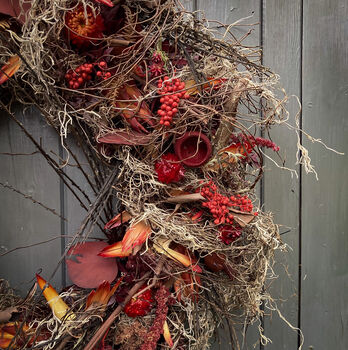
79, 76
219, 204
170, 99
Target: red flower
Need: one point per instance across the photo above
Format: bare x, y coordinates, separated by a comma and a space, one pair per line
83, 30
141, 305
169, 169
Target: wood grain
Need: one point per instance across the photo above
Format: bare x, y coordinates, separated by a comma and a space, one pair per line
282, 53
324, 307
22, 222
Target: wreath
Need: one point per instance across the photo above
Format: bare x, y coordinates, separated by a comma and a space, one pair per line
174, 119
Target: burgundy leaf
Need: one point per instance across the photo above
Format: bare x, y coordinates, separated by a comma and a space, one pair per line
88, 270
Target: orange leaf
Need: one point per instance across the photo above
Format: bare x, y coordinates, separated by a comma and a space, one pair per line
162, 246
58, 306
166, 335
4, 343
136, 235
118, 220
9, 68
115, 251
102, 295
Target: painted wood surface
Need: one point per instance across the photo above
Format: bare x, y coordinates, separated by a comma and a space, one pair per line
24, 223
324, 287
305, 41
282, 45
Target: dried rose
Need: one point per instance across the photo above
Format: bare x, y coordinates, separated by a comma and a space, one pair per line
169, 169
141, 305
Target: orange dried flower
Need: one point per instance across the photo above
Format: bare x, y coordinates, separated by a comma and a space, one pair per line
82, 29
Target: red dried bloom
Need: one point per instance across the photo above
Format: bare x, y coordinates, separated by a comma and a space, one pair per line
157, 57
163, 300
169, 169
141, 305
83, 30
229, 234
250, 141
156, 69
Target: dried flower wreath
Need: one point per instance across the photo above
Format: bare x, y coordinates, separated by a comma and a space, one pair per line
168, 116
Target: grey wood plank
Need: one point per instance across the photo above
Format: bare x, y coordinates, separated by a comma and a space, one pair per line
188, 4
22, 222
324, 307
228, 12
75, 213
282, 53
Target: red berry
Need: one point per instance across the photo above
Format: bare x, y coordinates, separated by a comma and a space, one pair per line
102, 64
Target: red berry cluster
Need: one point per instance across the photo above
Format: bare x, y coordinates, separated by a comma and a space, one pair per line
229, 233
170, 100
102, 73
169, 169
219, 204
79, 76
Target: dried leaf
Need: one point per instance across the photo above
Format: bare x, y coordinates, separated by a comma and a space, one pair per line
243, 219
88, 270
123, 137
137, 234
186, 198
115, 251
118, 220
9, 68
6, 314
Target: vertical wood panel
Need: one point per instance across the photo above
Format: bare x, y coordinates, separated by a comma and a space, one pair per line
282, 53
228, 12
75, 213
22, 222
324, 309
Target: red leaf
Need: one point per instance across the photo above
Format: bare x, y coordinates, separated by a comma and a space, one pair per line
88, 270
